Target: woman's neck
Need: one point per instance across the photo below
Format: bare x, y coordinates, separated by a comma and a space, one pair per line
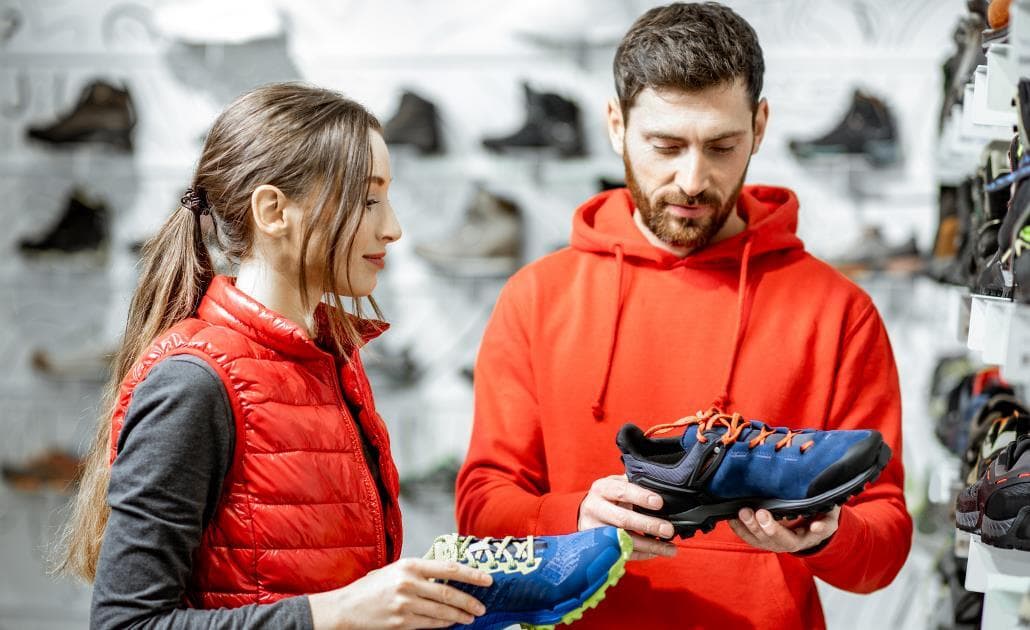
277, 292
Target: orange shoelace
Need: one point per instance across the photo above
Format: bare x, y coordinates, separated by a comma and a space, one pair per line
735, 425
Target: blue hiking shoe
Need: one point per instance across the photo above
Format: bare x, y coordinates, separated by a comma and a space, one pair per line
723, 463
538, 581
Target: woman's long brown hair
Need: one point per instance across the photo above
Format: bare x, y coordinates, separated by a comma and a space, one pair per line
311, 143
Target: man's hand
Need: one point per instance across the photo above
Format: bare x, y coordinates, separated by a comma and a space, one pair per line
760, 530
610, 502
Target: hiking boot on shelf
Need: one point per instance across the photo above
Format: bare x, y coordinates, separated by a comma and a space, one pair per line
104, 114
539, 581
415, 124
723, 463
867, 129
487, 244
82, 227
871, 252
552, 122
997, 506
52, 470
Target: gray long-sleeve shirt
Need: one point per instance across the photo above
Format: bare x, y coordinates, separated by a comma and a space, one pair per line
174, 451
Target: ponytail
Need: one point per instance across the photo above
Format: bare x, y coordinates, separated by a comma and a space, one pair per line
176, 270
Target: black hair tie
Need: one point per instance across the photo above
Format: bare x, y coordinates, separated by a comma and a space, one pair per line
195, 200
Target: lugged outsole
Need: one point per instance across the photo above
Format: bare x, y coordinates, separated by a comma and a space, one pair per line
615, 573
688, 531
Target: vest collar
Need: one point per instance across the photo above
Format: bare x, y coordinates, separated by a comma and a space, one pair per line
225, 305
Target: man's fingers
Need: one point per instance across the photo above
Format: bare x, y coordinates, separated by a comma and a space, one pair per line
635, 522
618, 490
653, 547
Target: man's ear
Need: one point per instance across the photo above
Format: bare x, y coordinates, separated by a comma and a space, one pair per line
616, 125
268, 210
761, 120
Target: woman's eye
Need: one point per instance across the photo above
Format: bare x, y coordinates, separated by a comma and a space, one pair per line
371, 202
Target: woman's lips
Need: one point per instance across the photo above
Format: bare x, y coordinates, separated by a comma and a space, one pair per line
379, 260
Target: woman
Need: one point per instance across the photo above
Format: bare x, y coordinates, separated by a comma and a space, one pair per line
240, 466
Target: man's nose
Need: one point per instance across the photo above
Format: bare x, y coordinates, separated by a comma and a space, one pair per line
692, 174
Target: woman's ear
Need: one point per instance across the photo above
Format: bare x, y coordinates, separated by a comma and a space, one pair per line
268, 210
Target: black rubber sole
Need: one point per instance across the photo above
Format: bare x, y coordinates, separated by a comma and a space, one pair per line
1006, 534
703, 518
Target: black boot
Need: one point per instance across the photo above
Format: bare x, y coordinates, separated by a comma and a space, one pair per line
867, 129
552, 122
82, 227
415, 123
104, 114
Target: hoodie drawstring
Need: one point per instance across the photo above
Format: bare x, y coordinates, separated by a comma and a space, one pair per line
598, 408
723, 399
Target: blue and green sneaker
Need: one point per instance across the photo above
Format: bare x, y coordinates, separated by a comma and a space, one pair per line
539, 581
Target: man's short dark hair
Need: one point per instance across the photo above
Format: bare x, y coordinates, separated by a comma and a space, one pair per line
690, 47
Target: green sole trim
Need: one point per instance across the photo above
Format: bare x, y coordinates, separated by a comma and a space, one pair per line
615, 573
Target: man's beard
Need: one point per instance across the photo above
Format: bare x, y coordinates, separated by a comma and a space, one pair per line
680, 231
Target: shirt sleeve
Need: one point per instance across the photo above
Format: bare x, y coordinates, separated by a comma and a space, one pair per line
502, 487
867, 395
174, 451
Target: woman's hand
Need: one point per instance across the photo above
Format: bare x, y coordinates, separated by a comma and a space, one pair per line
401, 595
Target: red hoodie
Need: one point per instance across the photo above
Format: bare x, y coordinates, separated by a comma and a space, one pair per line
615, 330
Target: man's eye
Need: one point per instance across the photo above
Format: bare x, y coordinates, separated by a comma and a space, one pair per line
723, 149
665, 148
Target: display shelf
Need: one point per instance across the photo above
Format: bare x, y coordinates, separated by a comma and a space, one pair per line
1003, 576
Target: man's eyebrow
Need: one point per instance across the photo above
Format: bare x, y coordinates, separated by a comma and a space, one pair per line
658, 135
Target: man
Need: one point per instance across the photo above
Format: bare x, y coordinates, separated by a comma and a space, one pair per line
688, 289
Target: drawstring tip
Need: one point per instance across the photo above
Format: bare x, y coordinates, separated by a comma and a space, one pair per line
598, 412
721, 402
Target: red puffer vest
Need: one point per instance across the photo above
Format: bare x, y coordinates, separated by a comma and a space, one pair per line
300, 511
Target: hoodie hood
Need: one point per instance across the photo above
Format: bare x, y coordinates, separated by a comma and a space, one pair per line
604, 225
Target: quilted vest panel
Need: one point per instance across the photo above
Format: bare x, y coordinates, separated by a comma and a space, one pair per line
299, 511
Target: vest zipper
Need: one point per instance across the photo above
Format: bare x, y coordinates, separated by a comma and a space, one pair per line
370, 482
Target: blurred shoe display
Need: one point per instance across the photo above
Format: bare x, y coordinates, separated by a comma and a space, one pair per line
104, 115
487, 243
52, 470
399, 368
415, 124
867, 129
965, 401
552, 122
997, 22
872, 253
90, 363
959, 68
437, 481
81, 228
